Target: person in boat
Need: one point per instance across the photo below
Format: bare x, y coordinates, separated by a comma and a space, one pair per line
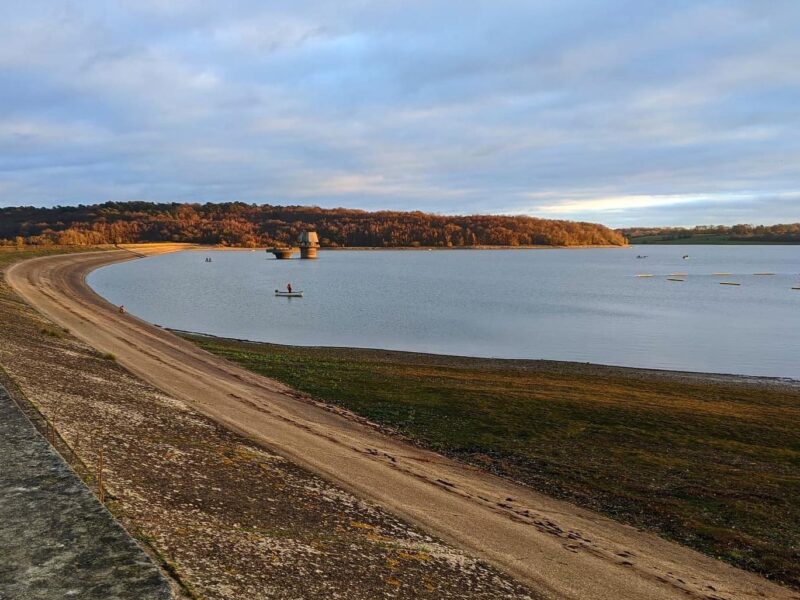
289, 287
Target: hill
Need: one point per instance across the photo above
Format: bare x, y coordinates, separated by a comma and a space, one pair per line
250, 225
715, 234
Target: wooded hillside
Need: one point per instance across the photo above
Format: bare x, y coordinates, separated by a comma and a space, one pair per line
249, 225
716, 234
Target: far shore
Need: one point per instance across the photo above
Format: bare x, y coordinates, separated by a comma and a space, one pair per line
164, 247
409, 248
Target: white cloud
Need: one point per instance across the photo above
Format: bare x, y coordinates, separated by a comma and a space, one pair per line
576, 109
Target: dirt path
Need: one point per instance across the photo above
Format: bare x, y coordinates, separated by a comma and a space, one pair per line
564, 551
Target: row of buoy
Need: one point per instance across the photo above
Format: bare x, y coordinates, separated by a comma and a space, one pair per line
681, 277
713, 274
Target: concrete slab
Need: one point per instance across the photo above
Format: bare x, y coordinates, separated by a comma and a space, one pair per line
56, 539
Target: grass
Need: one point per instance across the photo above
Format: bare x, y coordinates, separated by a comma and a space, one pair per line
699, 239
713, 465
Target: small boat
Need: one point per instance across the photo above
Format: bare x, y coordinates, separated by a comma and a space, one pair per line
720, 274
644, 275
729, 283
674, 279
763, 274
292, 294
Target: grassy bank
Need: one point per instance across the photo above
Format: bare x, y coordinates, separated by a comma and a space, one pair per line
708, 462
703, 239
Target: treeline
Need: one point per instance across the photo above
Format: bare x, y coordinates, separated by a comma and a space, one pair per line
249, 225
788, 233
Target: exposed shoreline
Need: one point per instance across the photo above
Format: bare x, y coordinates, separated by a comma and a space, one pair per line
534, 363
704, 461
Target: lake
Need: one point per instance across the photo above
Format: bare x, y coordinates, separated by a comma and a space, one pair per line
585, 305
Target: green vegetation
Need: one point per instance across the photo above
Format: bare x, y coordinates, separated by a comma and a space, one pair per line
737, 234
714, 464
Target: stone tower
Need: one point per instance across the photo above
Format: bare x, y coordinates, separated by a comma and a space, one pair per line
308, 242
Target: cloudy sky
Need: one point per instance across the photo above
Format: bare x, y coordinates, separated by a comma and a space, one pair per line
625, 112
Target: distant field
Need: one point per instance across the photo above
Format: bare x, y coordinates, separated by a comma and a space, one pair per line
696, 239
11, 254
703, 238
710, 462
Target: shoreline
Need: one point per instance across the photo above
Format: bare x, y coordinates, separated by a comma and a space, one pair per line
408, 248
527, 363
165, 247
649, 449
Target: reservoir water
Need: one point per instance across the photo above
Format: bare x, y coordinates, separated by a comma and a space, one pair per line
584, 305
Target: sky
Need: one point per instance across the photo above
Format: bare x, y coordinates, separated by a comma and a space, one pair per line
640, 112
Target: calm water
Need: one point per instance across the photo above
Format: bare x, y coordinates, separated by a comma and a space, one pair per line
577, 305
